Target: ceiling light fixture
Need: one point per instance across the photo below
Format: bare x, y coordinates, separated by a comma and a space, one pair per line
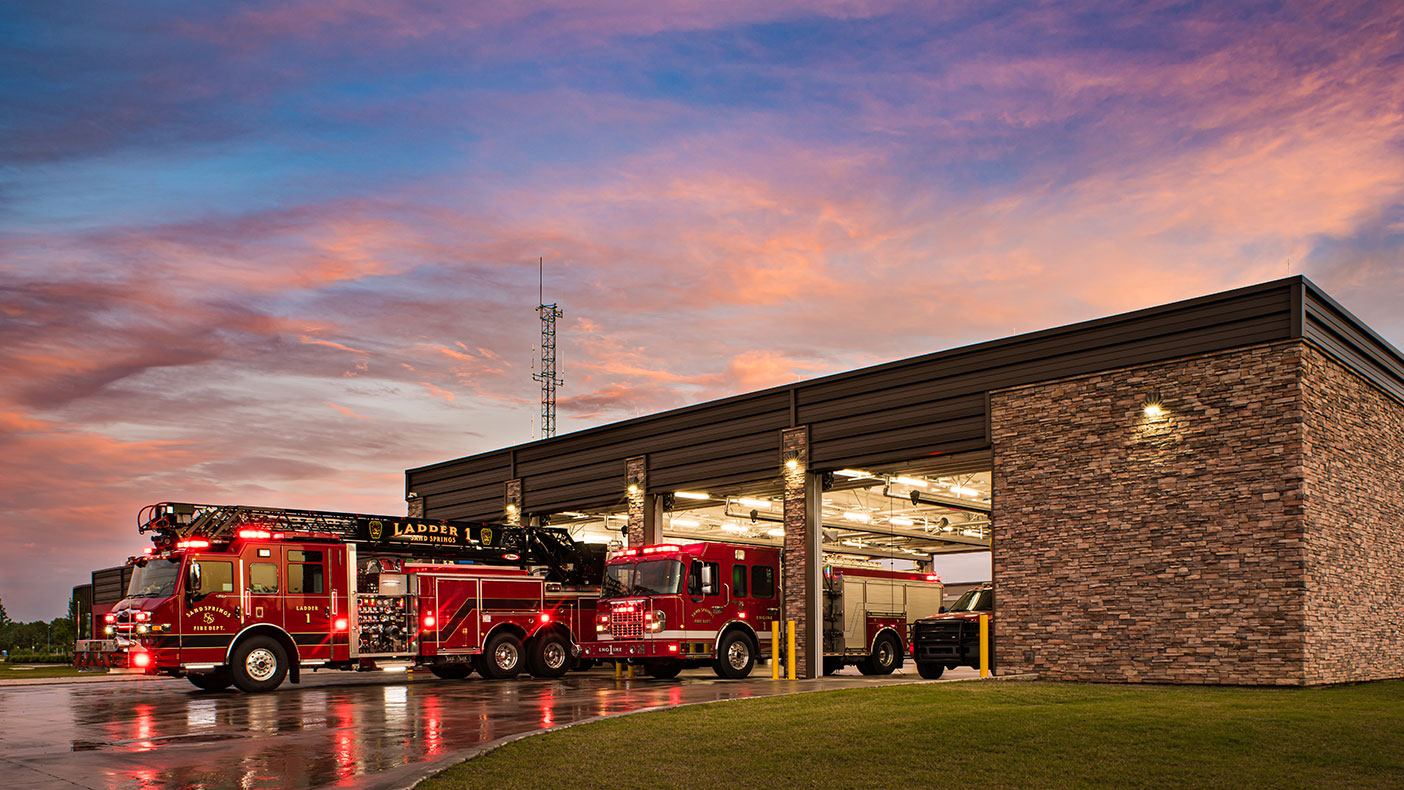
691, 495
913, 481
686, 522
853, 515
758, 504
901, 521
852, 473
960, 490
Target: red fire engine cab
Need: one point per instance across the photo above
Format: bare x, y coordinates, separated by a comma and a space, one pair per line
247, 596
668, 607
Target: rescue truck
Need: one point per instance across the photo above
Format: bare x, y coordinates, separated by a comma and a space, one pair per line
668, 607
952, 639
249, 596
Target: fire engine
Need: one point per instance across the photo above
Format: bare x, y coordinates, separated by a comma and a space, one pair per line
249, 596
668, 607
868, 612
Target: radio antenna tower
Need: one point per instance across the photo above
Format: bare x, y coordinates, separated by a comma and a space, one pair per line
547, 376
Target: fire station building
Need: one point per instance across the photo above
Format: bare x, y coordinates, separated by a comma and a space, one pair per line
1210, 491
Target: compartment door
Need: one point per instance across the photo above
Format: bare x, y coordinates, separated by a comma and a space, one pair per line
457, 626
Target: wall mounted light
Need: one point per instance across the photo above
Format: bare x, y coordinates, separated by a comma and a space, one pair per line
633, 488
1154, 406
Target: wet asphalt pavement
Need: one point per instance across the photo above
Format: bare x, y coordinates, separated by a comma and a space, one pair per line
362, 730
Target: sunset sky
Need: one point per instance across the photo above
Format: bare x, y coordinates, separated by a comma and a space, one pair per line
278, 252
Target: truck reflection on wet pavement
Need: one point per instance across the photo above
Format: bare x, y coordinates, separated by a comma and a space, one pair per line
331, 731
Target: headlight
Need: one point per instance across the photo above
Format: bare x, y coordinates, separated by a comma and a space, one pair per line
141, 629
656, 620
110, 630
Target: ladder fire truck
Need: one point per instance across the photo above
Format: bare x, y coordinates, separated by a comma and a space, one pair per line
667, 607
246, 596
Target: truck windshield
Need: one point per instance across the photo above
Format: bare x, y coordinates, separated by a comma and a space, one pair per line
651, 577
154, 578
974, 601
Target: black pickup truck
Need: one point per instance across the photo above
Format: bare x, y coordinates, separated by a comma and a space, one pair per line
952, 639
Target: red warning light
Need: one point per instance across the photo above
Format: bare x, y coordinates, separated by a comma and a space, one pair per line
141, 659
341, 623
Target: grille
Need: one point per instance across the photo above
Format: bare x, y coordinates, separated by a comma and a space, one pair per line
625, 624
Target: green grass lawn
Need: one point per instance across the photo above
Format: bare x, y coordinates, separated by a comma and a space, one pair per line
19, 671
1015, 734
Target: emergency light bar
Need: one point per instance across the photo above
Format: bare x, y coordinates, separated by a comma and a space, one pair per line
194, 543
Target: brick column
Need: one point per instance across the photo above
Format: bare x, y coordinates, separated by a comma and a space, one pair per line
512, 502
801, 560
414, 504
636, 488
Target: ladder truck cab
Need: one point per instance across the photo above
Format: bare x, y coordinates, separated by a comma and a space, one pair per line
249, 596
868, 611
668, 607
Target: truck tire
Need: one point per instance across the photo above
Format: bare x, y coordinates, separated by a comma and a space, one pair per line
662, 669
930, 669
736, 656
218, 680
451, 671
549, 655
259, 664
502, 656
886, 656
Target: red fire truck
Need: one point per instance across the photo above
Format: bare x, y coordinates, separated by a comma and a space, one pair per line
248, 596
668, 607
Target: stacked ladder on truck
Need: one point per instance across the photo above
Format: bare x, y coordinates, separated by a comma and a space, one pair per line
566, 560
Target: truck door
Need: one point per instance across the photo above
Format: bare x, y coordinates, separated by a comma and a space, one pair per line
212, 607
263, 585
308, 601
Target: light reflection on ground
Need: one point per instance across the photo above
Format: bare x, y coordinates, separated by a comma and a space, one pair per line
334, 730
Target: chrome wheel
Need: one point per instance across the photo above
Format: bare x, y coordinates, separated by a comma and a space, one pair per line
739, 654
554, 655
506, 656
884, 654
261, 664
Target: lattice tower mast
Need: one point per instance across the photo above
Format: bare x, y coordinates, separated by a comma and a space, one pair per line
547, 375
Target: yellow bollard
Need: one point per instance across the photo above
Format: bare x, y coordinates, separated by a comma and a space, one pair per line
630, 670
775, 650
984, 645
790, 651
618, 670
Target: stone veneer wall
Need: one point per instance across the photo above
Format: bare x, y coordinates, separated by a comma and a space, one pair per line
1137, 550
1354, 526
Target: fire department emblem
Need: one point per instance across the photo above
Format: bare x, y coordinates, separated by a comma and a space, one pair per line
209, 618
376, 530
487, 536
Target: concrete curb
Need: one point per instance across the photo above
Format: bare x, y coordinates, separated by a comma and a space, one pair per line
418, 773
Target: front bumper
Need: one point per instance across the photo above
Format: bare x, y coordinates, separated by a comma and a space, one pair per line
623, 649
117, 656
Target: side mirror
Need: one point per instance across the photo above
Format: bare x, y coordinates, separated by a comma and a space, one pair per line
708, 583
192, 581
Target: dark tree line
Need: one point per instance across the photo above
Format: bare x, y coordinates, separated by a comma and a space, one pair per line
54, 637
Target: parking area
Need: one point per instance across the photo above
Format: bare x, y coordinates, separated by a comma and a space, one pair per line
369, 730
